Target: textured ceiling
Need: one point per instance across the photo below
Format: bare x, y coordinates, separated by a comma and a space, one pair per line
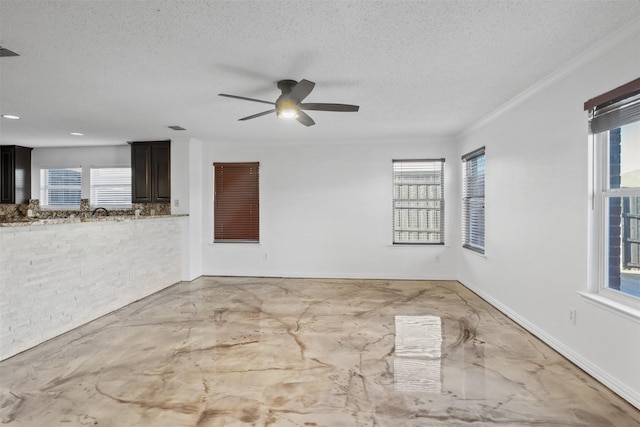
119, 71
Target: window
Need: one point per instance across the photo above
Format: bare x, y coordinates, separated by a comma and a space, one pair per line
60, 188
473, 200
615, 126
236, 202
110, 187
418, 201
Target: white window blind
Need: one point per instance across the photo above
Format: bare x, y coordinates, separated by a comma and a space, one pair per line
60, 187
473, 174
418, 201
110, 186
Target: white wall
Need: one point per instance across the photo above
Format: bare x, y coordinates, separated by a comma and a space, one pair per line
537, 209
326, 212
196, 183
186, 195
180, 179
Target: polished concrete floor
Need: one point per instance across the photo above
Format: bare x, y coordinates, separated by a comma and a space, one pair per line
303, 353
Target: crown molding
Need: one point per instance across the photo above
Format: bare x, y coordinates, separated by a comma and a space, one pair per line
597, 50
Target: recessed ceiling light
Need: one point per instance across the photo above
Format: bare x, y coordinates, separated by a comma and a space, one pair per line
10, 116
76, 134
176, 127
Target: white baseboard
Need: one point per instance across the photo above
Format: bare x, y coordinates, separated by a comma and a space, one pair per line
326, 275
628, 394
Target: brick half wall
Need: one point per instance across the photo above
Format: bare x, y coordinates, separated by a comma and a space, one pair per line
56, 277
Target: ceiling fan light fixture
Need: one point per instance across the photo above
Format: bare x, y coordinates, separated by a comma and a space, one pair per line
287, 109
288, 114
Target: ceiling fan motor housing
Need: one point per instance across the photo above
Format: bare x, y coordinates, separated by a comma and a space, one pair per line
286, 85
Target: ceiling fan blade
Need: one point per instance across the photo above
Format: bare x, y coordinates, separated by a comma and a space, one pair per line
305, 119
329, 107
301, 90
264, 113
247, 99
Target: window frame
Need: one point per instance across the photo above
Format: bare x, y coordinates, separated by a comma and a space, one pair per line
467, 201
606, 114
440, 210
600, 207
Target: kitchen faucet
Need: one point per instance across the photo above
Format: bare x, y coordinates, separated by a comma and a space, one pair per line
100, 209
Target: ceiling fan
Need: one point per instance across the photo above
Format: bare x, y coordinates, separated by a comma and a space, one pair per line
289, 105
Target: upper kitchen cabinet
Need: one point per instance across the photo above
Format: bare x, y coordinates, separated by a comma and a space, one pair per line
151, 171
15, 174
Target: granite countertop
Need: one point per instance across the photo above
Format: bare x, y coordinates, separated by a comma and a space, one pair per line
37, 221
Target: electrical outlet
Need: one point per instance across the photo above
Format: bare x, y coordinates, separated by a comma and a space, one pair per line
572, 315
176, 203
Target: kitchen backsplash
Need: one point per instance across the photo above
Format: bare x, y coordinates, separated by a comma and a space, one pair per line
9, 212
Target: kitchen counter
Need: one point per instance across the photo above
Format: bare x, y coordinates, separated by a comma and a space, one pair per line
102, 218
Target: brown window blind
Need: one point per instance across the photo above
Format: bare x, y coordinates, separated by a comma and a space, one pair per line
236, 202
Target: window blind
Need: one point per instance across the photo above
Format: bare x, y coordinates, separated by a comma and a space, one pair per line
418, 201
473, 178
614, 109
60, 187
110, 186
236, 202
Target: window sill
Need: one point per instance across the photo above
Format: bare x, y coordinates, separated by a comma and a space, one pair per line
59, 208
609, 304
242, 242
469, 251
418, 245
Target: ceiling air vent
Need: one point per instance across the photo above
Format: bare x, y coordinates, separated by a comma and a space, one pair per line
176, 127
6, 52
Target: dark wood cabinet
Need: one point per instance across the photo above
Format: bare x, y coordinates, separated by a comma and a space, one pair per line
151, 171
15, 174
